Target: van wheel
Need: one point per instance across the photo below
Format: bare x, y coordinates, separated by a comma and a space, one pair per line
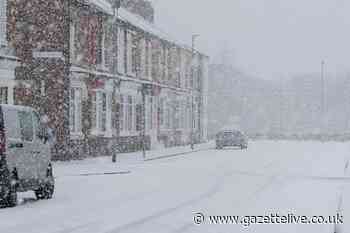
46, 190
11, 199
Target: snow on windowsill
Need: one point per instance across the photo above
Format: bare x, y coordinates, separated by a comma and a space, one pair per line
76, 135
103, 5
129, 133
98, 133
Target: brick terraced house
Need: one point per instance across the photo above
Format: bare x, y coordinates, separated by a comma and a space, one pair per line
87, 66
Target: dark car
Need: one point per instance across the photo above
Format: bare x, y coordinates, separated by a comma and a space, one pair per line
232, 138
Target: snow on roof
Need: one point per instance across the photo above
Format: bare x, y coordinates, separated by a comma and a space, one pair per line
103, 5
141, 23
137, 21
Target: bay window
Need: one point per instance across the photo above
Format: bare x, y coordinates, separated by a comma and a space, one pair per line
3, 95
139, 117
129, 114
101, 111
72, 41
121, 114
75, 110
149, 113
126, 114
161, 112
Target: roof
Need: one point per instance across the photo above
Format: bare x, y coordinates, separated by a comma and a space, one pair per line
137, 21
103, 5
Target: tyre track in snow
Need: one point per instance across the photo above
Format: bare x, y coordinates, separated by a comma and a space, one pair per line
254, 195
220, 182
135, 198
209, 193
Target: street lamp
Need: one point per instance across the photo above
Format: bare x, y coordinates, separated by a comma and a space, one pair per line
194, 37
116, 6
323, 100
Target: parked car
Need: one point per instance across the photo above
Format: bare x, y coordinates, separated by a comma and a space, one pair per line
233, 138
25, 157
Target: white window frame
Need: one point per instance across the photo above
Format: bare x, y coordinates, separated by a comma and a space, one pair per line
129, 37
98, 130
10, 85
72, 35
4, 95
149, 59
162, 109
3, 23
149, 113
102, 65
128, 124
75, 110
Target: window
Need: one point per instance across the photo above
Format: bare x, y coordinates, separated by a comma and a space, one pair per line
110, 52
188, 71
3, 94
139, 117
126, 54
37, 122
100, 107
163, 62
149, 115
128, 114
11, 123
75, 111
176, 115
103, 46
103, 112
135, 59
121, 113
26, 125
94, 112
72, 41
168, 116
155, 61
178, 68
129, 120
3, 22
161, 111
101, 35
147, 52
169, 65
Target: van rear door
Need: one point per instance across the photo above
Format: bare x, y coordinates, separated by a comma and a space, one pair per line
41, 150
30, 150
15, 151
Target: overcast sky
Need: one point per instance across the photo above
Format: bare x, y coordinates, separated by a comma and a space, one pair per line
269, 38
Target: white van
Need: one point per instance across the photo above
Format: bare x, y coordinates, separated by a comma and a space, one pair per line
25, 157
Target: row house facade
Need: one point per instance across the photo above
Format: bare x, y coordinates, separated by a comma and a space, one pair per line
87, 67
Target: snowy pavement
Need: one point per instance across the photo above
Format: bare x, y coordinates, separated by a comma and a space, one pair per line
161, 196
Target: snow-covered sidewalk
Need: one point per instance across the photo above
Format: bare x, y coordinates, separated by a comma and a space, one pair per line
104, 165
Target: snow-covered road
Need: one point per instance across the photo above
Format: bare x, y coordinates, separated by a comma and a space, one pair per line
161, 196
